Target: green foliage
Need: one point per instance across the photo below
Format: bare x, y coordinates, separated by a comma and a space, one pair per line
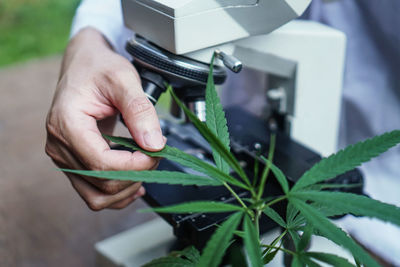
272, 214
215, 143
216, 246
185, 258
332, 232
252, 243
280, 177
308, 207
180, 157
216, 121
305, 238
198, 207
330, 259
161, 177
31, 29
354, 204
347, 159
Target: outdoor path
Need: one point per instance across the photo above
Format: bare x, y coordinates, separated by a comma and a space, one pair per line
43, 222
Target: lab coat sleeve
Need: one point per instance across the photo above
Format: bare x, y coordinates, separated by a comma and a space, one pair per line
106, 17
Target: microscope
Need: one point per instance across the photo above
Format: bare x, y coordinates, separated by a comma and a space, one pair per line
174, 42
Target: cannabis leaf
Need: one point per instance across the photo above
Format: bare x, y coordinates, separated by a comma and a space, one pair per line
280, 177
305, 238
330, 259
197, 207
161, 177
347, 159
218, 243
352, 203
252, 243
215, 119
332, 232
170, 262
180, 157
274, 216
213, 140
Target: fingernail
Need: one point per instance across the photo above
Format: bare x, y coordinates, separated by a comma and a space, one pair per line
154, 139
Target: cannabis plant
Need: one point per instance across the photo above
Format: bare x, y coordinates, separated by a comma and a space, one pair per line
308, 204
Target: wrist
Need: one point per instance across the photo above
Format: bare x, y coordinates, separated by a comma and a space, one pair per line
88, 37
83, 45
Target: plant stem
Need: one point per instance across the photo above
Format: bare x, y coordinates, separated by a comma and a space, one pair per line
276, 200
235, 195
267, 167
279, 248
256, 168
257, 221
279, 238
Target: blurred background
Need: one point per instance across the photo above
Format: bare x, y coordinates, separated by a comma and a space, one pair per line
43, 222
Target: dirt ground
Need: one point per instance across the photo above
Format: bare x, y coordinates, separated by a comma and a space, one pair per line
43, 222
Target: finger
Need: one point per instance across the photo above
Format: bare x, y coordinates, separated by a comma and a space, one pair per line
107, 125
64, 159
138, 112
93, 151
124, 203
97, 200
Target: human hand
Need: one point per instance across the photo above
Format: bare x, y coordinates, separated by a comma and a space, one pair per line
96, 84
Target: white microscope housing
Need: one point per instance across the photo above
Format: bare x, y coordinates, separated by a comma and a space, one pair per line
183, 26
305, 59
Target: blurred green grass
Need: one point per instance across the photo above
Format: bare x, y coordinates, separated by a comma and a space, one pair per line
33, 28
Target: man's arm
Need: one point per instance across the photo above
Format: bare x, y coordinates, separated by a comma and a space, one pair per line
96, 84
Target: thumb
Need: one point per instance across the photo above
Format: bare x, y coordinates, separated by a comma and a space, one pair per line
142, 121
139, 113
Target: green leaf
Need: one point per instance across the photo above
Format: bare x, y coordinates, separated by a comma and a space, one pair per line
319, 187
326, 211
252, 243
215, 119
180, 157
305, 238
197, 207
175, 259
296, 261
239, 233
274, 216
215, 143
347, 159
332, 232
291, 213
330, 259
270, 256
236, 256
169, 262
216, 246
352, 203
280, 177
191, 253
306, 261
295, 237
160, 177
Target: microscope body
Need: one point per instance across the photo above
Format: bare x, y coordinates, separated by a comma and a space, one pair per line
304, 62
183, 26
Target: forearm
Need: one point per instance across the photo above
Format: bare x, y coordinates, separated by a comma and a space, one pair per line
106, 17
